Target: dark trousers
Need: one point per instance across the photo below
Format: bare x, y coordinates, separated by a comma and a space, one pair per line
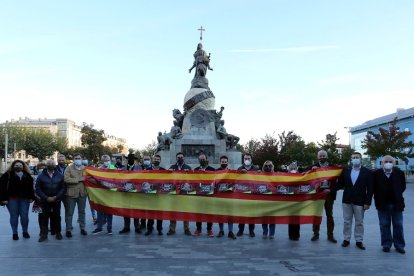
294, 231
209, 226
330, 224
50, 210
241, 227
387, 217
150, 225
127, 223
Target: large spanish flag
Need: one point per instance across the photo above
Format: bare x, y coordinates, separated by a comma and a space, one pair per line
225, 196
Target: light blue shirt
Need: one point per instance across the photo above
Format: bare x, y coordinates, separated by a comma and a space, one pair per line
355, 174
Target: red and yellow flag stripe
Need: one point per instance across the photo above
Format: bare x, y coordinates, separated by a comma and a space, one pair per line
245, 206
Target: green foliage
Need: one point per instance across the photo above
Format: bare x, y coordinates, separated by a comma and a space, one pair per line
148, 150
39, 143
334, 156
389, 141
92, 140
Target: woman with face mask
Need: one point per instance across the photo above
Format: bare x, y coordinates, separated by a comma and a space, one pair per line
16, 192
268, 229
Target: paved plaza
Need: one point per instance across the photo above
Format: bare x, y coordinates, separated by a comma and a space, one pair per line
181, 255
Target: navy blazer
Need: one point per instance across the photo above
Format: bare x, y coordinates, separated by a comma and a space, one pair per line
359, 194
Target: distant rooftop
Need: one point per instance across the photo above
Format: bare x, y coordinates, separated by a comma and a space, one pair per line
401, 113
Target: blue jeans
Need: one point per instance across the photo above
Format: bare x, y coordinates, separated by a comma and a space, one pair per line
19, 207
101, 218
269, 228
387, 216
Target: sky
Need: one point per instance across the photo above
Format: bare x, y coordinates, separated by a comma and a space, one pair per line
314, 67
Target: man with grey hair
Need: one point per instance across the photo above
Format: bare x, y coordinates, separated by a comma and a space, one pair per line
50, 188
330, 224
389, 186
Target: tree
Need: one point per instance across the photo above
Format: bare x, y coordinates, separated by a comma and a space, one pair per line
41, 143
389, 141
92, 140
148, 150
334, 156
16, 136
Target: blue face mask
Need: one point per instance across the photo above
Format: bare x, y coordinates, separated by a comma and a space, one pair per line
147, 163
356, 162
77, 162
85, 162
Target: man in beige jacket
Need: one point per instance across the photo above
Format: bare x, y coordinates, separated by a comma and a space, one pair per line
75, 194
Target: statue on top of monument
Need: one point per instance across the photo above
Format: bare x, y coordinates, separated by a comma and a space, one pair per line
201, 62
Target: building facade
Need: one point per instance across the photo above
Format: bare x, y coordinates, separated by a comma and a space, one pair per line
405, 121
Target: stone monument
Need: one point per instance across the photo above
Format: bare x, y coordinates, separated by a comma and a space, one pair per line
199, 128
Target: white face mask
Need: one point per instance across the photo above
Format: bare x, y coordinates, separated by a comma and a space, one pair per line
247, 162
107, 164
388, 166
293, 171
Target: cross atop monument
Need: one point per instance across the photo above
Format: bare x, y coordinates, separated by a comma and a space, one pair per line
201, 32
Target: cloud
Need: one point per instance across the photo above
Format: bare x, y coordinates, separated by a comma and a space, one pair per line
301, 49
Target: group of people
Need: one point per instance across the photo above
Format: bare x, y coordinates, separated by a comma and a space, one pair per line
65, 183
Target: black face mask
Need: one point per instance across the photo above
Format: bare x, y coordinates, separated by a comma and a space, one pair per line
323, 160
50, 168
180, 161
223, 166
156, 163
18, 169
267, 169
203, 163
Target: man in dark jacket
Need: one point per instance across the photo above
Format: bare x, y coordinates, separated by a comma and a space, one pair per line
179, 166
247, 166
357, 182
202, 159
154, 166
330, 224
389, 186
50, 188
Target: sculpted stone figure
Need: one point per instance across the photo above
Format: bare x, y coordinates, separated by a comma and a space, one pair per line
231, 140
164, 141
175, 132
217, 119
201, 62
179, 117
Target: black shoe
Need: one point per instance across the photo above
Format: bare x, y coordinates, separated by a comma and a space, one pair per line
68, 234
138, 230
83, 232
251, 234
220, 234
26, 235
239, 233
345, 243
52, 233
149, 232
360, 245
124, 230
59, 236
400, 250
160, 233
293, 238
231, 236
15, 237
386, 249
332, 240
315, 238
42, 238
170, 233
187, 232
